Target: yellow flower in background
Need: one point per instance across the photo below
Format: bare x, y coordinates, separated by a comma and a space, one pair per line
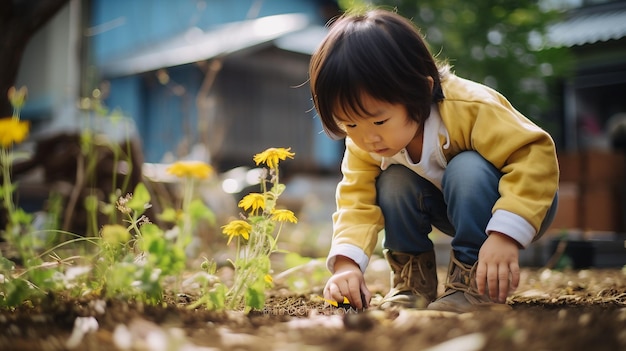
268, 279
17, 97
284, 216
191, 169
272, 155
237, 228
12, 130
252, 201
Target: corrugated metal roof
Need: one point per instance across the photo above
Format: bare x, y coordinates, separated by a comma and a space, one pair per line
197, 46
589, 28
304, 41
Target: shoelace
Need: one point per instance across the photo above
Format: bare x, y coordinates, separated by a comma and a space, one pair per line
464, 275
406, 274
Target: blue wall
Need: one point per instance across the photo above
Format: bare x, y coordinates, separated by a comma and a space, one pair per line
163, 118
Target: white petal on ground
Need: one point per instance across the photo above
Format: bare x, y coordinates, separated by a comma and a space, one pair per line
122, 338
82, 326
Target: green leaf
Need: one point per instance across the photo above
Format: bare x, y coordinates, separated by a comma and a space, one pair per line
217, 297
278, 189
141, 198
149, 233
198, 210
209, 266
20, 216
91, 203
255, 297
120, 277
168, 215
18, 290
6, 264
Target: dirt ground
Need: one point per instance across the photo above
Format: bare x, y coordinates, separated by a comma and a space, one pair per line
552, 310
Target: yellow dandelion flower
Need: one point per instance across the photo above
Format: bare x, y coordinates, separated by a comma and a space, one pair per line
284, 216
12, 130
237, 228
252, 201
272, 155
17, 97
190, 169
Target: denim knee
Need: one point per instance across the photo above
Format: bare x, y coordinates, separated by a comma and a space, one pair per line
470, 187
411, 205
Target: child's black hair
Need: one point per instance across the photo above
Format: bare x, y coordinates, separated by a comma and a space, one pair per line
379, 54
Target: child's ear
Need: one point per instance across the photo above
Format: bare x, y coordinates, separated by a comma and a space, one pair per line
431, 82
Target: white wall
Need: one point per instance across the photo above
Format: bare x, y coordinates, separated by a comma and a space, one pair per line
50, 69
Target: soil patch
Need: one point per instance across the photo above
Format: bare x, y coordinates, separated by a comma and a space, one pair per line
552, 310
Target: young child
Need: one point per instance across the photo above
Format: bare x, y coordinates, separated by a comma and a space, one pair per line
426, 148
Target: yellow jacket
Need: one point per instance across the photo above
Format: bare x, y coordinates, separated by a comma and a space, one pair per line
477, 118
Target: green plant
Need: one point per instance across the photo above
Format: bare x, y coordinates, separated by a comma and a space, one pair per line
37, 273
192, 210
129, 257
95, 143
12, 131
141, 255
256, 236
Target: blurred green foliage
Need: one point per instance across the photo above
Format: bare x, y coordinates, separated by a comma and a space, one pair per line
495, 42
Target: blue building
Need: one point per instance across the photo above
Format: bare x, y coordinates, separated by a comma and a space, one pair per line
228, 77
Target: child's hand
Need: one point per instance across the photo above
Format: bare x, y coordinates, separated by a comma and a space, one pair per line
498, 266
347, 281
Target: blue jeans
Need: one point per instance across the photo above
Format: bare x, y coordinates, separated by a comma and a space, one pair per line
412, 204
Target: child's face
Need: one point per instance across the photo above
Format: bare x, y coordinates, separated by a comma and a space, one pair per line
386, 130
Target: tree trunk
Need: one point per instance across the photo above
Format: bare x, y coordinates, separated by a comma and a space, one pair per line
19, 21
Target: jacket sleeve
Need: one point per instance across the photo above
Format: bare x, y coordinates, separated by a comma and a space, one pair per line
358, 219
524, 153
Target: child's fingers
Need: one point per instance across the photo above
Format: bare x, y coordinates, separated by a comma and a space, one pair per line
339, 293
503, 282
332, 292
515, 276
366, 295
481, 277
354, 295
493, 281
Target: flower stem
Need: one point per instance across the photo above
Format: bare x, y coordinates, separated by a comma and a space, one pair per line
6, 181
185, 233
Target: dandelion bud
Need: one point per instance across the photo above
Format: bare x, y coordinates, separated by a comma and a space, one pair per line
17, 97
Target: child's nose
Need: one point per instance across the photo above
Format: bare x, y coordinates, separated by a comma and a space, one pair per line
371, 138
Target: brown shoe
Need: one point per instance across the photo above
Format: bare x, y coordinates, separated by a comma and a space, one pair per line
413, 280
461, 293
